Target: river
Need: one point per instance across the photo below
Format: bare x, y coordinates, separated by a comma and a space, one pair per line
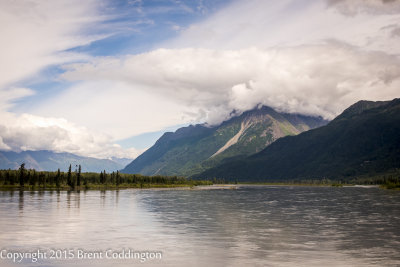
249, 226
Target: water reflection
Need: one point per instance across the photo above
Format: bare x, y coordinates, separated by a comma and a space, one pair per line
255, 226
21, 201
321, 225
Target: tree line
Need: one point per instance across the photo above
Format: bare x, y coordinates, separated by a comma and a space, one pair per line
76, 179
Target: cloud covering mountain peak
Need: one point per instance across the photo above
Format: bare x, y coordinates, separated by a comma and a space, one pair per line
76, 76
318, 80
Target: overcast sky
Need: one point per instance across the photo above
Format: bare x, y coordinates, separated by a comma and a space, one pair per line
105, 78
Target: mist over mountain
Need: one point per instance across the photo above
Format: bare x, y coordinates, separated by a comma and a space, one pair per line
196, 148
363, 141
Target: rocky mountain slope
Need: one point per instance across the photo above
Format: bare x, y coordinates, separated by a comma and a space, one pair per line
193, 149
363, 140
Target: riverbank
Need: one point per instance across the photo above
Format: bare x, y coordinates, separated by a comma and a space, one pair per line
192, 186
100, 187
23, 179
385, 184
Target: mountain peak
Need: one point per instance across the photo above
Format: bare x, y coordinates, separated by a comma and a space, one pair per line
361, 106
194, 148
363, 141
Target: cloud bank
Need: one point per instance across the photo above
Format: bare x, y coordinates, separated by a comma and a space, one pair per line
307, 57
268, 23
298, 56
29, 132
114, 107
20, 132
36, 34
318, 80
353, 7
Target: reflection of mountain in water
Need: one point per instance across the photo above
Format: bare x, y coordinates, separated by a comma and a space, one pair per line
250, 226
307, 224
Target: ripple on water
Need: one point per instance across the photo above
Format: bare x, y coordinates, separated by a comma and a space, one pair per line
251, 226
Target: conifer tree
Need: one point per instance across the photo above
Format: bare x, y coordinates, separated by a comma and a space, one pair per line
58, 178
21, 174
8, 178
104, 177
101, 178
69, 177
85, 181
117, 179
78, 176
33, 178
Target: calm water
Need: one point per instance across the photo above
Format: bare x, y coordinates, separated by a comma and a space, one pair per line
251, 226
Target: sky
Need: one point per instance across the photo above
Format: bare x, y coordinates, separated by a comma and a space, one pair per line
105, 78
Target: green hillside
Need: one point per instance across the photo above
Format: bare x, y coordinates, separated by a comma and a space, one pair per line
363, 141
193, 149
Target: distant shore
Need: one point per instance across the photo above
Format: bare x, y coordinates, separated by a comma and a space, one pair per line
95, 187
178, 187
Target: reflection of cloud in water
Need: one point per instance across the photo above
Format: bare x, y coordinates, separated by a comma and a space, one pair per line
283, 226
265, 226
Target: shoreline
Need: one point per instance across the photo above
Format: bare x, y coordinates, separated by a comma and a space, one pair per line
181, 187
152, 187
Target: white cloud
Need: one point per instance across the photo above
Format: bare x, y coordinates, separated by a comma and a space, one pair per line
270, 52
114, 107
3, 146
313, 79
9, 95
311, 57
354, 7
29, 132
268, 24
35, 34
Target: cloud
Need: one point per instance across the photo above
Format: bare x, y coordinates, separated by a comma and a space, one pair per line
395, 32
299, 56
36, 34
3, 146
266, 24
117, 108
20, 132
354, 7
309, 79
29, 132
9, 95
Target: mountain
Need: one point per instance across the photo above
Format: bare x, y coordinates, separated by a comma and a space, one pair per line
363, 140
121, 161
196, 148
45, 160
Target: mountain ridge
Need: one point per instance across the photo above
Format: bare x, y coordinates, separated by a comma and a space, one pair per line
46, 160
363, 140
194, 148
